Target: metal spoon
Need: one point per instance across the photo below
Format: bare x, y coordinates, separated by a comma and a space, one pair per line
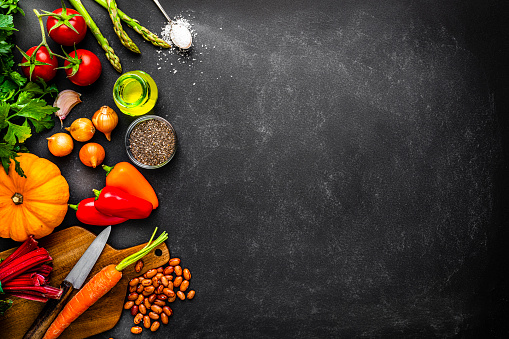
179, 34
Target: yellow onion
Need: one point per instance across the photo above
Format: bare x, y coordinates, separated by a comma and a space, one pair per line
82, 129
92, 154
60, 144
105, 120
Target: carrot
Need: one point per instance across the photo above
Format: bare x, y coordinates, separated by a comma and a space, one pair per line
99, 285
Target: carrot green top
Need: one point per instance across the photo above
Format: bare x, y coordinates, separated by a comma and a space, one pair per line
144, 251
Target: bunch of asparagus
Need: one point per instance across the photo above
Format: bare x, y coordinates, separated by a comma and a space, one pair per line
117, 16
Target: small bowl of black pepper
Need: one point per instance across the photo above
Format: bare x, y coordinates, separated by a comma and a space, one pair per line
150, 141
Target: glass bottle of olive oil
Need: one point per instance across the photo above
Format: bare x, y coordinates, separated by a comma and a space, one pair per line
135, 93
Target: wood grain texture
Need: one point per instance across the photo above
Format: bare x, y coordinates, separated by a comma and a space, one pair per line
66, 247
50, 312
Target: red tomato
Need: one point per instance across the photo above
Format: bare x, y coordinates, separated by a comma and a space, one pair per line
46, 72
62, 34
89, 68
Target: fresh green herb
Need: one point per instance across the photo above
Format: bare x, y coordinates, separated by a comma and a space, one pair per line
9, 79
5, 305
10, 7
22, 106
20, 111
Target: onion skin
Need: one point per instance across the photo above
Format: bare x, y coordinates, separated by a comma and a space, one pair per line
105, 120
82, 129
92, 154
60, 144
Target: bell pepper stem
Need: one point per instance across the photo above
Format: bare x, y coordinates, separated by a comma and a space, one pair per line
97, 193
74, 207
108, 169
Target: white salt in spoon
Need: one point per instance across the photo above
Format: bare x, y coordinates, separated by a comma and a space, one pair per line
179, 34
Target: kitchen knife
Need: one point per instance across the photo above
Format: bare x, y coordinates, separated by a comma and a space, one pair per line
74, 280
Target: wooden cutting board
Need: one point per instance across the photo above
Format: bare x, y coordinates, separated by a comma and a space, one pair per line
66, 247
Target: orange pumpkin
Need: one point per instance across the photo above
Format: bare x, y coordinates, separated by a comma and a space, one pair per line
34, 205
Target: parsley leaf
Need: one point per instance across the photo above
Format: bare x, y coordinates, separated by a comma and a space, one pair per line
4, 111
8, 152
16, 133
36, 109
45, 123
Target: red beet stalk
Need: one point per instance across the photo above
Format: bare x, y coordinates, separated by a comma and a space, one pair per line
23, 263
43, 270
27, 279
29, 245
41, 291
24, 273
29, 297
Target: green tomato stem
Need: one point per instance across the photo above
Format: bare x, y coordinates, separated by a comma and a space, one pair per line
74, 62
32, 60
43, 42
63, 19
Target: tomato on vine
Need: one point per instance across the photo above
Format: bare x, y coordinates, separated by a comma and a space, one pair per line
38, 62
82, 67
65, 26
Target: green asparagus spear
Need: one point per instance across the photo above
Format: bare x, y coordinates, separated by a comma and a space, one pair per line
117, 27
134, 24
110, 54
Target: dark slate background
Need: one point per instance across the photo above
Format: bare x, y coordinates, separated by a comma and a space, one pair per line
341, 168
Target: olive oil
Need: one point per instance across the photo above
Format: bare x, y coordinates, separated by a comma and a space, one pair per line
135, 93
131, 91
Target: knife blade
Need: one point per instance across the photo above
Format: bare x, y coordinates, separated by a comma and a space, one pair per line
73, 281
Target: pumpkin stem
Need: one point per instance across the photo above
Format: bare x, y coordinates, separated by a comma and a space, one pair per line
17, 199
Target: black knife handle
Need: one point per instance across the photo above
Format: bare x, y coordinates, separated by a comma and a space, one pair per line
49, 313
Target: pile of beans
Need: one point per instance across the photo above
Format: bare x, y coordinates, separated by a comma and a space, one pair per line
149, 293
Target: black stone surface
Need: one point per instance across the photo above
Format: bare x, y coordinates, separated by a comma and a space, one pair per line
341, 168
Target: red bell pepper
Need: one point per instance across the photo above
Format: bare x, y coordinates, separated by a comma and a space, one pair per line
88, 214
126, 177
114, 201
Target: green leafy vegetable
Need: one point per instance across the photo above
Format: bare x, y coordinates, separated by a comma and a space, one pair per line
22, 107
20, 111
10, 7
5, 305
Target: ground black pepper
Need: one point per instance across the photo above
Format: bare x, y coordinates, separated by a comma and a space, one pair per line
152, 142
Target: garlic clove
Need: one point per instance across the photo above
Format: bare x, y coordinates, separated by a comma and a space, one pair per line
66, 100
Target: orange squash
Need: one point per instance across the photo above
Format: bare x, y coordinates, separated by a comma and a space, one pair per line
34, 205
